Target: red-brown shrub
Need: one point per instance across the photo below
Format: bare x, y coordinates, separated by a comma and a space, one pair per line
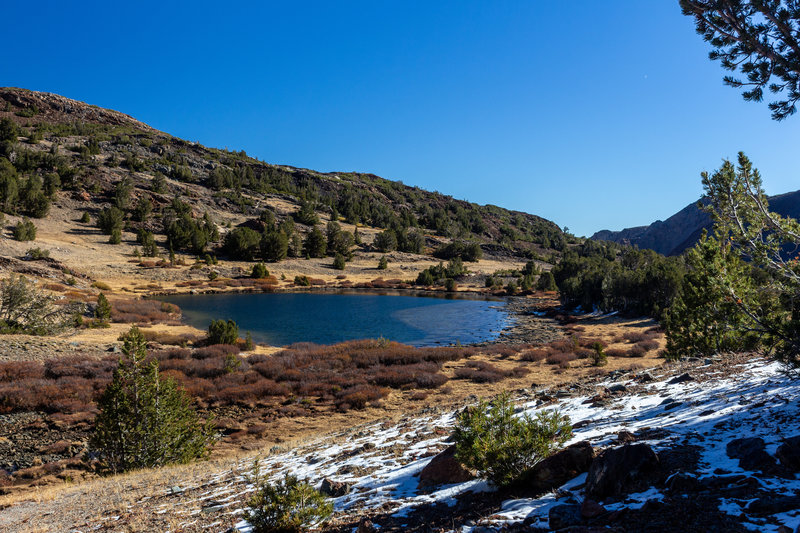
534, 354
557, 358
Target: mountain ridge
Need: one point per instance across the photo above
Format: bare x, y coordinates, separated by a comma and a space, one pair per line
683, 229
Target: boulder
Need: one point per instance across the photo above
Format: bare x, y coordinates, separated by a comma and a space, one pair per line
752, 455
444, 469
789, 453
334, 489
773, 504
559, 468
591, 509
621, 470
625, 437
565, 515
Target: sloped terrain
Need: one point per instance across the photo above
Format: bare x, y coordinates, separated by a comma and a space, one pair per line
700, 440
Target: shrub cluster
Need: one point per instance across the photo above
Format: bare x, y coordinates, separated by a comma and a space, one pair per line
501, 446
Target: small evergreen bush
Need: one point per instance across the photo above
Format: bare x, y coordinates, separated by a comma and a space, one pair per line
25, 230
103, 310
287, 506
259, 271
383, 264
339, 262
223, 332
501, 446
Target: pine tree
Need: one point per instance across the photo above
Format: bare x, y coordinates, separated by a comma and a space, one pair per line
144, 419
103, 310
707, 317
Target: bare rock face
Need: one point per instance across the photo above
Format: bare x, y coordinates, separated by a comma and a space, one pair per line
621, 470
444, 469
559, 467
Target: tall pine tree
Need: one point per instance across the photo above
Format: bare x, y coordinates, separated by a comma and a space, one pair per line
145, 420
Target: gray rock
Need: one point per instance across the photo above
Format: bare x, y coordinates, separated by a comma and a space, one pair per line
752, 455
562, 516
789, 453
621, 470
334, 489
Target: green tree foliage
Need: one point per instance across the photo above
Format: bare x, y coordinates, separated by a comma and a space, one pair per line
184, 232
307, 214
315, 244
159, 183
286, 506
25, 230
740, 210
546, 282
386, 241
466, 251
759, 38
242, 243
122, 194
52, 183
274, 246
223, 332
9, 186
145, 420
103, 309
383, 263
24, 308
142, 209
707, 317
259, 271
85, 218
115, 237
631, 281
502, 446
9, 132
148, 242
339, 261
110, 219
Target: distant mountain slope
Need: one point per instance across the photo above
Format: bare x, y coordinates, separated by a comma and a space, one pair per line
93, 150
683, 229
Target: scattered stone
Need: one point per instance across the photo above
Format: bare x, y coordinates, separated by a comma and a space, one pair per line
334, 489
751, 453
591, 509
444, 469
683, 378
773, 504
625, 437
618, 387
566, 515
683, 482
366, 527
621, 470
789, 453
559, 468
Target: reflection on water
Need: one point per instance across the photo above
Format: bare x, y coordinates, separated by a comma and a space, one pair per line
325, 318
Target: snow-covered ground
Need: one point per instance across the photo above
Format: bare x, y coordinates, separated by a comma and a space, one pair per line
380, 461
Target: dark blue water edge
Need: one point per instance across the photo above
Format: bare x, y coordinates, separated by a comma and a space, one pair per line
328, 317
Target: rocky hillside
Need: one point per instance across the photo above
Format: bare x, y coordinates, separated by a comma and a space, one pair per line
82, 152
683, 229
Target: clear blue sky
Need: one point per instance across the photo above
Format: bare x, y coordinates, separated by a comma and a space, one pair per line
592, 114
